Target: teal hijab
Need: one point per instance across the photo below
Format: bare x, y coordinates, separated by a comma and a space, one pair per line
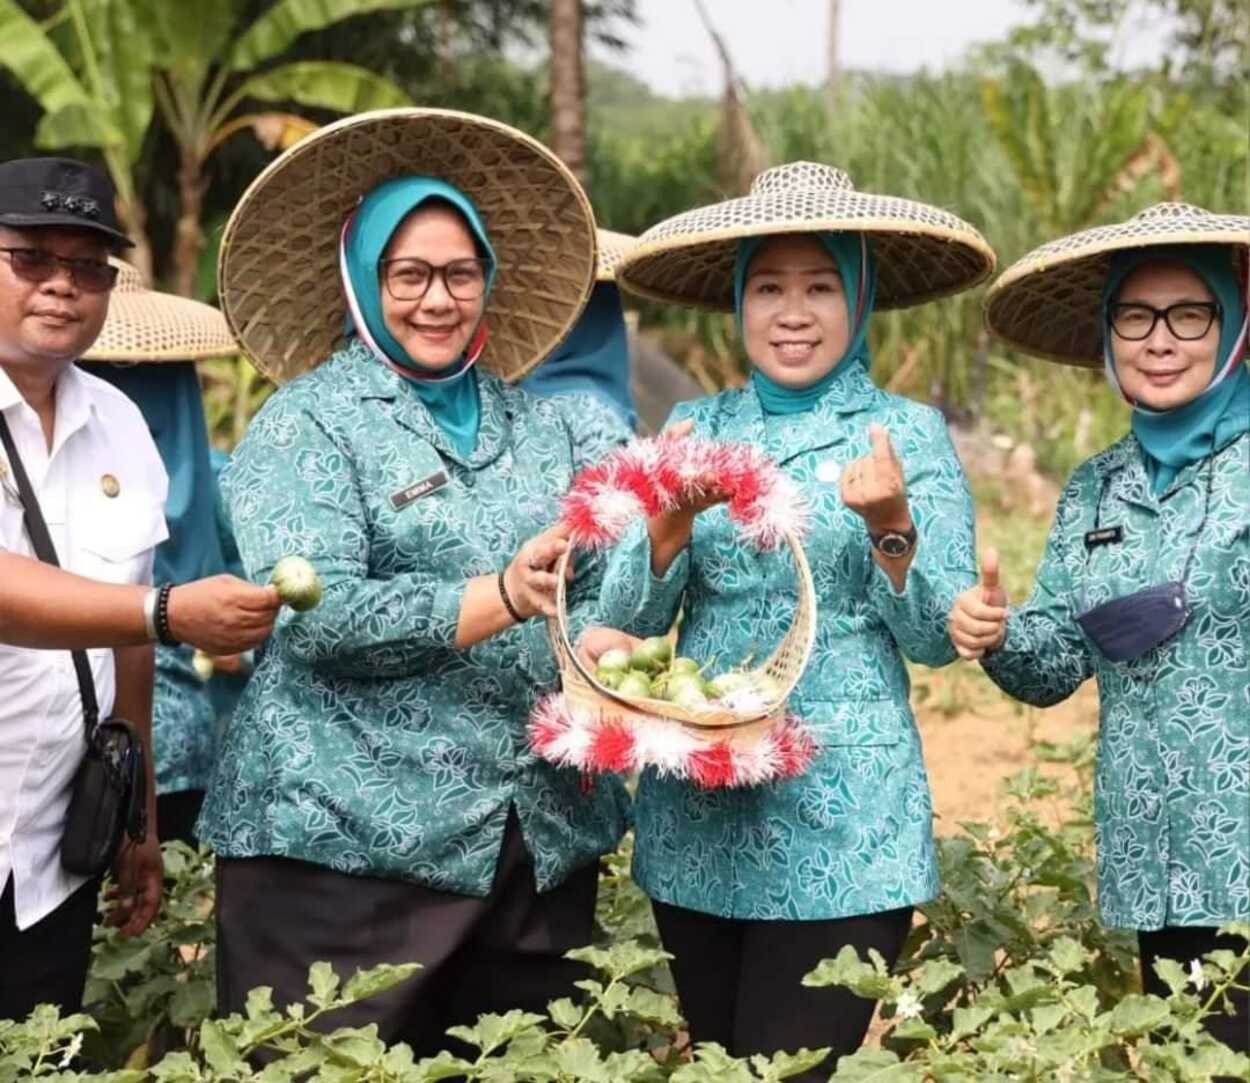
168, 396
594, 358
450, 395
1173, 439
858, 272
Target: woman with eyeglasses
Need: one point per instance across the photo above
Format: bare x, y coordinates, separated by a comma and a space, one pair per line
1145, 582
374, 798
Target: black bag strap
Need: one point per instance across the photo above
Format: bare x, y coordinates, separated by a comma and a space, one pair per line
41, 542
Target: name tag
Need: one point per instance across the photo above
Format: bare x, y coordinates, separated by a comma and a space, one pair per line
418, 489
1108, 535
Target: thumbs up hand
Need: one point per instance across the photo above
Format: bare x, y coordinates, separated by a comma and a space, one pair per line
978, 619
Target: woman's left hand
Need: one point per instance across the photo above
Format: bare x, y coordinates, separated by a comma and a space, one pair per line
530, 577
873, 486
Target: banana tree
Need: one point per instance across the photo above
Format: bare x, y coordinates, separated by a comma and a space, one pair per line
89, 69
206, 68
1074, 151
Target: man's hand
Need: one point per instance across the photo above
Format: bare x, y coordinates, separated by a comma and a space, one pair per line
222, 614
140, 874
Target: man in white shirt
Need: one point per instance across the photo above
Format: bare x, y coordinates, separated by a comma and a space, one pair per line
101, 487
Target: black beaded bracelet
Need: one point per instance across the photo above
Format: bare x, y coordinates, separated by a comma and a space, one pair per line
163, 633
507, 602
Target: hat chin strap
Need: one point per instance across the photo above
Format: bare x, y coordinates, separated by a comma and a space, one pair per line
474, 350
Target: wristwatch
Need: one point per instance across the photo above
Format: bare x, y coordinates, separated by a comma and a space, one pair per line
894, 543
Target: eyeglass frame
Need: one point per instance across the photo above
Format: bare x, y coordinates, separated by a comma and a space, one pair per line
1214, 308
436, 271
72, 264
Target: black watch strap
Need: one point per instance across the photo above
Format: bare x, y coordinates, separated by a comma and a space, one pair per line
894, 543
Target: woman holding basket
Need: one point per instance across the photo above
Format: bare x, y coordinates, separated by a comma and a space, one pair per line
374, 799
753, 886
1145, 582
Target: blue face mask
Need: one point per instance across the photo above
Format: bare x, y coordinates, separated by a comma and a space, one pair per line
1127, 627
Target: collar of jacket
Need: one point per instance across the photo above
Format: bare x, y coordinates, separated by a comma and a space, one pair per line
743, 419
373, 380
1122, 468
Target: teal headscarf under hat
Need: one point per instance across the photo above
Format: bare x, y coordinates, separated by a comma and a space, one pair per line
1172, 439
594, 358
450, 394
858, 272
168, 396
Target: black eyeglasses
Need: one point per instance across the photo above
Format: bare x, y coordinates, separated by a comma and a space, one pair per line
38, 265
409, 279
1187, 320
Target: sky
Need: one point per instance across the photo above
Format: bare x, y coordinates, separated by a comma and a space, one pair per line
781, 42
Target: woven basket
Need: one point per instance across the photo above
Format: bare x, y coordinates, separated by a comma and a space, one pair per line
596, 728
146, 326
278, 270
714, 722
1049, 302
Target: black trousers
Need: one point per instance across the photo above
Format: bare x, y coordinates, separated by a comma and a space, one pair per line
176, 814
740, 982
276, 916
1184, 944
47, 963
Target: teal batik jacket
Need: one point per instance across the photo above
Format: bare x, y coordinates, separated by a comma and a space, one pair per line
854, 834
365, 741
1172, 784
183, 723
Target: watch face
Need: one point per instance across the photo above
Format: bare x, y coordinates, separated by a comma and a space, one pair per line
894, 545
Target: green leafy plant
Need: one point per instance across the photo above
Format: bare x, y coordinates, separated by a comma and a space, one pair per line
1042, 1020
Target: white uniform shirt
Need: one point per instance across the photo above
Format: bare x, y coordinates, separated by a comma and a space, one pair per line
100, 444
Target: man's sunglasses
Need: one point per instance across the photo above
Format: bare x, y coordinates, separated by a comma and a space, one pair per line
37, 265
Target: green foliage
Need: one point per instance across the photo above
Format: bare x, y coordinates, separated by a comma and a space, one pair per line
149, 993
1042, 1019
1008, 976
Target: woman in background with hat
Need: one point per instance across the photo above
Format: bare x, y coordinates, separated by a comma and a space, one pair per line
1145, 582
752, 887
375, 799
148, 349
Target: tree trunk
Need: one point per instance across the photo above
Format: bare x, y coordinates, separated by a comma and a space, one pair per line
835, 65
189, 236
568, 96
133, 217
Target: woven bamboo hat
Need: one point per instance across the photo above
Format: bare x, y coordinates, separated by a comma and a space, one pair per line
921, 252
1050, 302
613, 248
144, 325
278, 272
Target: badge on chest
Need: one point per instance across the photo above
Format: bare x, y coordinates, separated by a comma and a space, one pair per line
414, 492
1107, 535
828, 470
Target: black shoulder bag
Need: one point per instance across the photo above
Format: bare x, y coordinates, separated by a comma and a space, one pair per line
109, 794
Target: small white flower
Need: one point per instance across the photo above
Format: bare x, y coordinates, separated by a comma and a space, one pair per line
71, 1050
1196, 976
908, 1006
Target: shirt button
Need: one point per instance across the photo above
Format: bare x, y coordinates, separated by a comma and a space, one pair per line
469, 481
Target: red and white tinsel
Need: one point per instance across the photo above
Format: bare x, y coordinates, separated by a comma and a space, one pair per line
595, 743
657, 474
637, 481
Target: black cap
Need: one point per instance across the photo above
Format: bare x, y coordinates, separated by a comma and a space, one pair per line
58, 192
